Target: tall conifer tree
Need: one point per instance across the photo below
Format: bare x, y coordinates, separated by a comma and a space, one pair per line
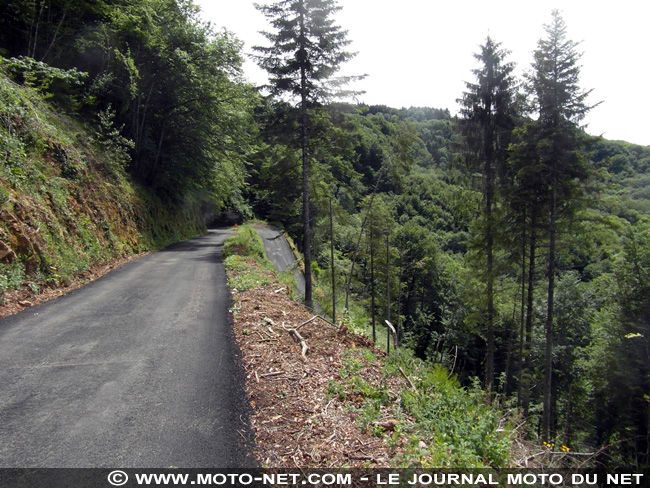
488, 110
307, 49
561, 105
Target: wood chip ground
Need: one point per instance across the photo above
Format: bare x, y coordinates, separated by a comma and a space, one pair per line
297, 423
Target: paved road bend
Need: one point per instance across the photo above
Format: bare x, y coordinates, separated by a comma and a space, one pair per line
137, 369
279, 253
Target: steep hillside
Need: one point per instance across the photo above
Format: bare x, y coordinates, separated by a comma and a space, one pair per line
66, 204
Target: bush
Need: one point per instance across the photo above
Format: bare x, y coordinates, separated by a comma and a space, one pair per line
247, 242
62, 86
456, 424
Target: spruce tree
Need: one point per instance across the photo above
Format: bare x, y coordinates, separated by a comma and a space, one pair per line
560, 104
307, 49
488, 110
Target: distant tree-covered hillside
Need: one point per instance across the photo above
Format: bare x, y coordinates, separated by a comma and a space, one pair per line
500, 241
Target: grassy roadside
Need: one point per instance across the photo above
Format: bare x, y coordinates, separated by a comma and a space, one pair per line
346, 403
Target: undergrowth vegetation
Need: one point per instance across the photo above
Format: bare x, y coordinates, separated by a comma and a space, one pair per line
436, 423
241, 250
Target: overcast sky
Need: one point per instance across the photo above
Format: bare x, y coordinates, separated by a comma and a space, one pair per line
420, 52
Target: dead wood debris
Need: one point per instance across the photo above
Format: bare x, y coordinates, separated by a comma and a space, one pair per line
296, 422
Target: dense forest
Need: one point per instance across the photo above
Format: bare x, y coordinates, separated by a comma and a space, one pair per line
504, 242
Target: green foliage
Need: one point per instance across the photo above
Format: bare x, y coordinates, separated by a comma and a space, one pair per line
247, 242
617, 360
60, 85
307, 49
116, 146
458, 427
173, 108
247, 276
489, 111
11, 276
242, 248
448, 425
162, 100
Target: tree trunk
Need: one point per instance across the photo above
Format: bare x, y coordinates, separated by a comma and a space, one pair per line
489, 193
548, 349
372, 286
306, 220
522, 334
56, 33
529, 315
388, 281
363, 226
33, 39
333, 266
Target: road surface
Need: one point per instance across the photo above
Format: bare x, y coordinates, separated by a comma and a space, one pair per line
278, 251
137, 369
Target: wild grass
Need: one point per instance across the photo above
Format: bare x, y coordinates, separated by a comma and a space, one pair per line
436, 423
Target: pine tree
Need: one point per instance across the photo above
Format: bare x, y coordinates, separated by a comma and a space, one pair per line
307, 49
560, 104
488, 110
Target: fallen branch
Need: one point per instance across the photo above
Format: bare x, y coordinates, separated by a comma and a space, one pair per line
306, 322
273, 373
602, 449
301, 340
327, 406
328, 322
569, 453
528, 458
363, 458
406, 377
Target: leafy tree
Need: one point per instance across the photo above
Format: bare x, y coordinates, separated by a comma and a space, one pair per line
176, 86
46, 30
629, 382
307, 49
172, 85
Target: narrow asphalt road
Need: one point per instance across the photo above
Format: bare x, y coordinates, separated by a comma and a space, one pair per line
278, 251
137, 369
